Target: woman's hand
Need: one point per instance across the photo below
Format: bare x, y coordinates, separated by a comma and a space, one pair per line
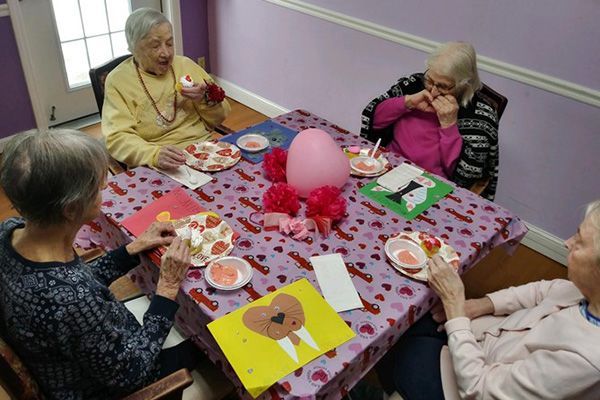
195, 92
157, 234
170, 157
446, 109
419, 101
444, 280
173, 269
473, 308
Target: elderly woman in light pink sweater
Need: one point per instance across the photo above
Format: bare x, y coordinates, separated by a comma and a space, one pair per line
536, 341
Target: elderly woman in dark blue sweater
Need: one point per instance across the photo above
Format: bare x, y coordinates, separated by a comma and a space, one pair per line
56, 311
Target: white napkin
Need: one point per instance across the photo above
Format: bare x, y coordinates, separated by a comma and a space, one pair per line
399, 177
183, 177
335, 282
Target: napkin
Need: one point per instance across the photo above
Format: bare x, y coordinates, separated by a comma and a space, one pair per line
335, 282
182, 176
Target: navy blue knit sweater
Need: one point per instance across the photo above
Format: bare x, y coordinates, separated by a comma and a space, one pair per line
77, 340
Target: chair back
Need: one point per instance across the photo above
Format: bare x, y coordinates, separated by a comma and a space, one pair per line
98, 77
15, 377
494, 99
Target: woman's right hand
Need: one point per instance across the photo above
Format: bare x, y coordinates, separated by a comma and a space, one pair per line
419, 101
170, 157
173, 269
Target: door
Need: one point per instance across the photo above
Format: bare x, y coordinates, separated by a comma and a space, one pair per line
68, 37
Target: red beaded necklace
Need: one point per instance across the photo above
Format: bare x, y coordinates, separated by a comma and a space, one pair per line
168, 121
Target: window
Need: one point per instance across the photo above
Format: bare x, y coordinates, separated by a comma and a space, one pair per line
90, 33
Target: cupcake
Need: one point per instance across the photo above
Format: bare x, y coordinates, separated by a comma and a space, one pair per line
185, 81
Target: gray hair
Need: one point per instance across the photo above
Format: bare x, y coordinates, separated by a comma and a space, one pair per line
44, 172
139, 23
592, 212
457, 60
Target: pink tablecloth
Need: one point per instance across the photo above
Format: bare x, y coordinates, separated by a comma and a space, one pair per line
392, 302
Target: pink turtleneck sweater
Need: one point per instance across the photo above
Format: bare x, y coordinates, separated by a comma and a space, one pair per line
419, 137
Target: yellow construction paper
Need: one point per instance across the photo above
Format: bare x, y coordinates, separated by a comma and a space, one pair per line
258, 339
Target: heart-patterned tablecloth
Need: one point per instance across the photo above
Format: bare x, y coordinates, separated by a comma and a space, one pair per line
392, 302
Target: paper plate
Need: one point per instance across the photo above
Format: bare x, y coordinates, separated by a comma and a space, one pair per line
217, 236
212, 155
446, 251
394, 247
356, 158
252, 142
242, 269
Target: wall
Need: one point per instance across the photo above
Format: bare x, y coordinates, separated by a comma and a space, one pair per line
194, 29
549, 143
16, 113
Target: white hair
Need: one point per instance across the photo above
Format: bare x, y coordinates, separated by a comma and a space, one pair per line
592, 212
458, 61
43, 172
139, 23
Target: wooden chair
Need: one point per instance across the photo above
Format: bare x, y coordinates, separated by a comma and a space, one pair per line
20, 385
494, 99
498, 103
98, 77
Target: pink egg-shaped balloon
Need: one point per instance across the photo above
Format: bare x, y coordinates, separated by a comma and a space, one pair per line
315, 160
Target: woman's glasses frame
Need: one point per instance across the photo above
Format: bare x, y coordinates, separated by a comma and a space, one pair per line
429, 84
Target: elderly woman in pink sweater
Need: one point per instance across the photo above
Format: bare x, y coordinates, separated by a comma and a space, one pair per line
439, 120
536, 341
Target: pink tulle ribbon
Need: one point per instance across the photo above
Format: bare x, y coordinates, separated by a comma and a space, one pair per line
297, 228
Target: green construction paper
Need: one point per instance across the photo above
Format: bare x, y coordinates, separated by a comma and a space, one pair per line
430, 196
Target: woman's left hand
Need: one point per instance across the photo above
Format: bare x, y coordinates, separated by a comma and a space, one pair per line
195, 92
446, 109
444, 280
157, 234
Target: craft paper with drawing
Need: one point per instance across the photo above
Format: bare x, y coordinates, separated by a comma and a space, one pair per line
278, 333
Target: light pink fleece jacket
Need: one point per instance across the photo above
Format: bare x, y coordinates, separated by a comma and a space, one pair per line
537, 345
419, 137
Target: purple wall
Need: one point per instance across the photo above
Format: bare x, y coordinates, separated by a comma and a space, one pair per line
194, 27
16, 113
532, 34
549, 144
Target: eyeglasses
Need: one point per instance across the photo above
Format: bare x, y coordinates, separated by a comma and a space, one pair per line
430, 84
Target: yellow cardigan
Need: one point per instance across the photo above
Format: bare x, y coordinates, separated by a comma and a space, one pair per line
133, 130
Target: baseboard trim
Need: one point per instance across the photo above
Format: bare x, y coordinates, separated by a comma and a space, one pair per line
250, 99
546, 244
4, 11
514, 72
536, 239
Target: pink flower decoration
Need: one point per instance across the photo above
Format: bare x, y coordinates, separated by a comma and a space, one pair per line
326, 202
274, 165
281, 198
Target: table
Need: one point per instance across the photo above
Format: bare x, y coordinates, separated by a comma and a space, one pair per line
392, 302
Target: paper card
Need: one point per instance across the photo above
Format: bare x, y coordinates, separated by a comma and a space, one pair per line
187, 176
172, 206
397, 197
424, 191
293, 325
399, 176
335, 282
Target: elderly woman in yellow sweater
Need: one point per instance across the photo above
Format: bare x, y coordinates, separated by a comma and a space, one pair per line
148, 116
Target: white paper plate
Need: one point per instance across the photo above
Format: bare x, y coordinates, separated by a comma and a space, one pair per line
252, 142
394, 245
244, 272
447, 253
361, 164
